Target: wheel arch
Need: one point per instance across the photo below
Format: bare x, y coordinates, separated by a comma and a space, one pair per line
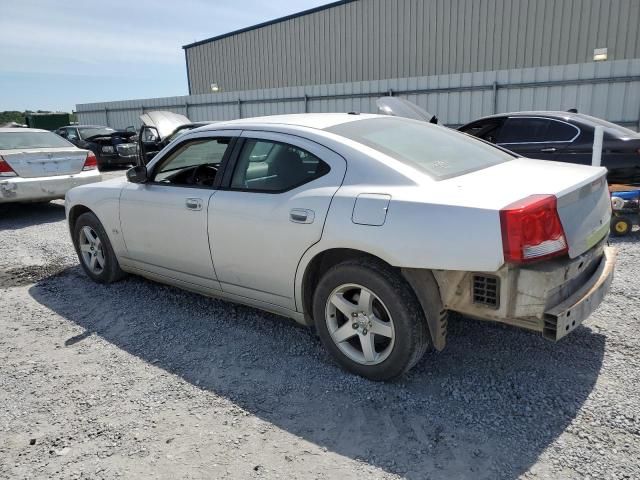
422, 283
74, 214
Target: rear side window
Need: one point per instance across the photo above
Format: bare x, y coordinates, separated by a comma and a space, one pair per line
30, 139
536, 130
524, 130
266, 166
561, 132
438, 151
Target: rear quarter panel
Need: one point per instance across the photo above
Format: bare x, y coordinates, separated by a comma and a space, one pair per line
416, 234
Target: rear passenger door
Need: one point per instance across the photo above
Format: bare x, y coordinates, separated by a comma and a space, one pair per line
537, 137
270, 209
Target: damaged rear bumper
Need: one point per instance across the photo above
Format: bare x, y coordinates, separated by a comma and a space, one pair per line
551, 297
19, 189
566, 316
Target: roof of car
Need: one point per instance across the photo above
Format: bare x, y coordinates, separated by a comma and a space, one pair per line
539, 113
21, 129
309, 120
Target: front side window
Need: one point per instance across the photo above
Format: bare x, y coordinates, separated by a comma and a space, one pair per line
193, 163
437, 151
486, 129
269, 166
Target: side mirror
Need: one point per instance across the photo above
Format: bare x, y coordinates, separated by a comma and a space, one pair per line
137, 174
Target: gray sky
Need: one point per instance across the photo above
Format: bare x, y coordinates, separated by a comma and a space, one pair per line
57, 53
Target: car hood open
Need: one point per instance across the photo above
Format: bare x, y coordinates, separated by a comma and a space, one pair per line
163, 121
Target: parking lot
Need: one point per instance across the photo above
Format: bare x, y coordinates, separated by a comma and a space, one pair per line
138, 379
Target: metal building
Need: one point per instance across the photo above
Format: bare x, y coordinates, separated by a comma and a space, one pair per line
356, 40
460, 59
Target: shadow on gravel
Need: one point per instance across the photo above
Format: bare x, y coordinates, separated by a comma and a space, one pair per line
486, 407
15, 216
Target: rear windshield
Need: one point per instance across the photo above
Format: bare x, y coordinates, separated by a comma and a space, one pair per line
93, 131
612, 128
28, 139
438, 151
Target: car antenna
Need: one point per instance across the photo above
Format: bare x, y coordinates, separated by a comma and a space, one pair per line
573, 110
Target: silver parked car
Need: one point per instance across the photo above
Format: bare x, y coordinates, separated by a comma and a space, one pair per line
368, 227
38, 165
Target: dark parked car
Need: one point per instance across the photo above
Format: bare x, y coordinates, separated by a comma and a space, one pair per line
111, 147
564, 137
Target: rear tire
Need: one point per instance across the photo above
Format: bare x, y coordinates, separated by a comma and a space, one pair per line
94, 250
369, 319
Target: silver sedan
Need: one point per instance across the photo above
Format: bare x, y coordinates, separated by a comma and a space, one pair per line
38, 165
370, 228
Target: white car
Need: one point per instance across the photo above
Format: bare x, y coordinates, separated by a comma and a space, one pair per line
370, 228
38, 165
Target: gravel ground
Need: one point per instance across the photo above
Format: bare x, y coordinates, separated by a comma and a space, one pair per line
140, 380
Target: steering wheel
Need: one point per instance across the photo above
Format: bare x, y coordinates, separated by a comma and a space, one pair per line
198, 176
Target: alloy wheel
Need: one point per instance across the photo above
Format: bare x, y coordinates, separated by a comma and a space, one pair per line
91, 250
360, 324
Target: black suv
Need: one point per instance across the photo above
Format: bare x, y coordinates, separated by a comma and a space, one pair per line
563, 137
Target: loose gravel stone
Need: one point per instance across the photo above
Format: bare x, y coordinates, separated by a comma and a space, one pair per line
141, 380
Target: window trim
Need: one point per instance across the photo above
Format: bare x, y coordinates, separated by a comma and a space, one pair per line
233, 139
233, 163
546, 141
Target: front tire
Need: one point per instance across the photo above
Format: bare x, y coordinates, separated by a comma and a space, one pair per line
369, 319
94, 250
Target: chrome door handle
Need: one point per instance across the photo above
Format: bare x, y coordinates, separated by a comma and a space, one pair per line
301, 215
194, 203
548, 150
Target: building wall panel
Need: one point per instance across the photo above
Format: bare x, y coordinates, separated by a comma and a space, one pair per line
378, 39
609, 90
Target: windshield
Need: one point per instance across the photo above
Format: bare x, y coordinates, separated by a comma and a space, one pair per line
30, 139
88, 132
438, 151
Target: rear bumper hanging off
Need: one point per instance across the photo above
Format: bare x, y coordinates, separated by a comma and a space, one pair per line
551, 297
566, 316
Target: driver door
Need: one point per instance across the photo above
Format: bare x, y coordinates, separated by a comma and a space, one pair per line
164, 221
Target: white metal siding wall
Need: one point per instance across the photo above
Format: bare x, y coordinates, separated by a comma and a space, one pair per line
381, 39
610, 90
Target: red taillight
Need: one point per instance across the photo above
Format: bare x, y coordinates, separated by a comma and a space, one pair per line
5, 169
531, 229
91, 162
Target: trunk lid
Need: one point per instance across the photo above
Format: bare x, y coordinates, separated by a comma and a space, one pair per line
584, 204
45, 162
